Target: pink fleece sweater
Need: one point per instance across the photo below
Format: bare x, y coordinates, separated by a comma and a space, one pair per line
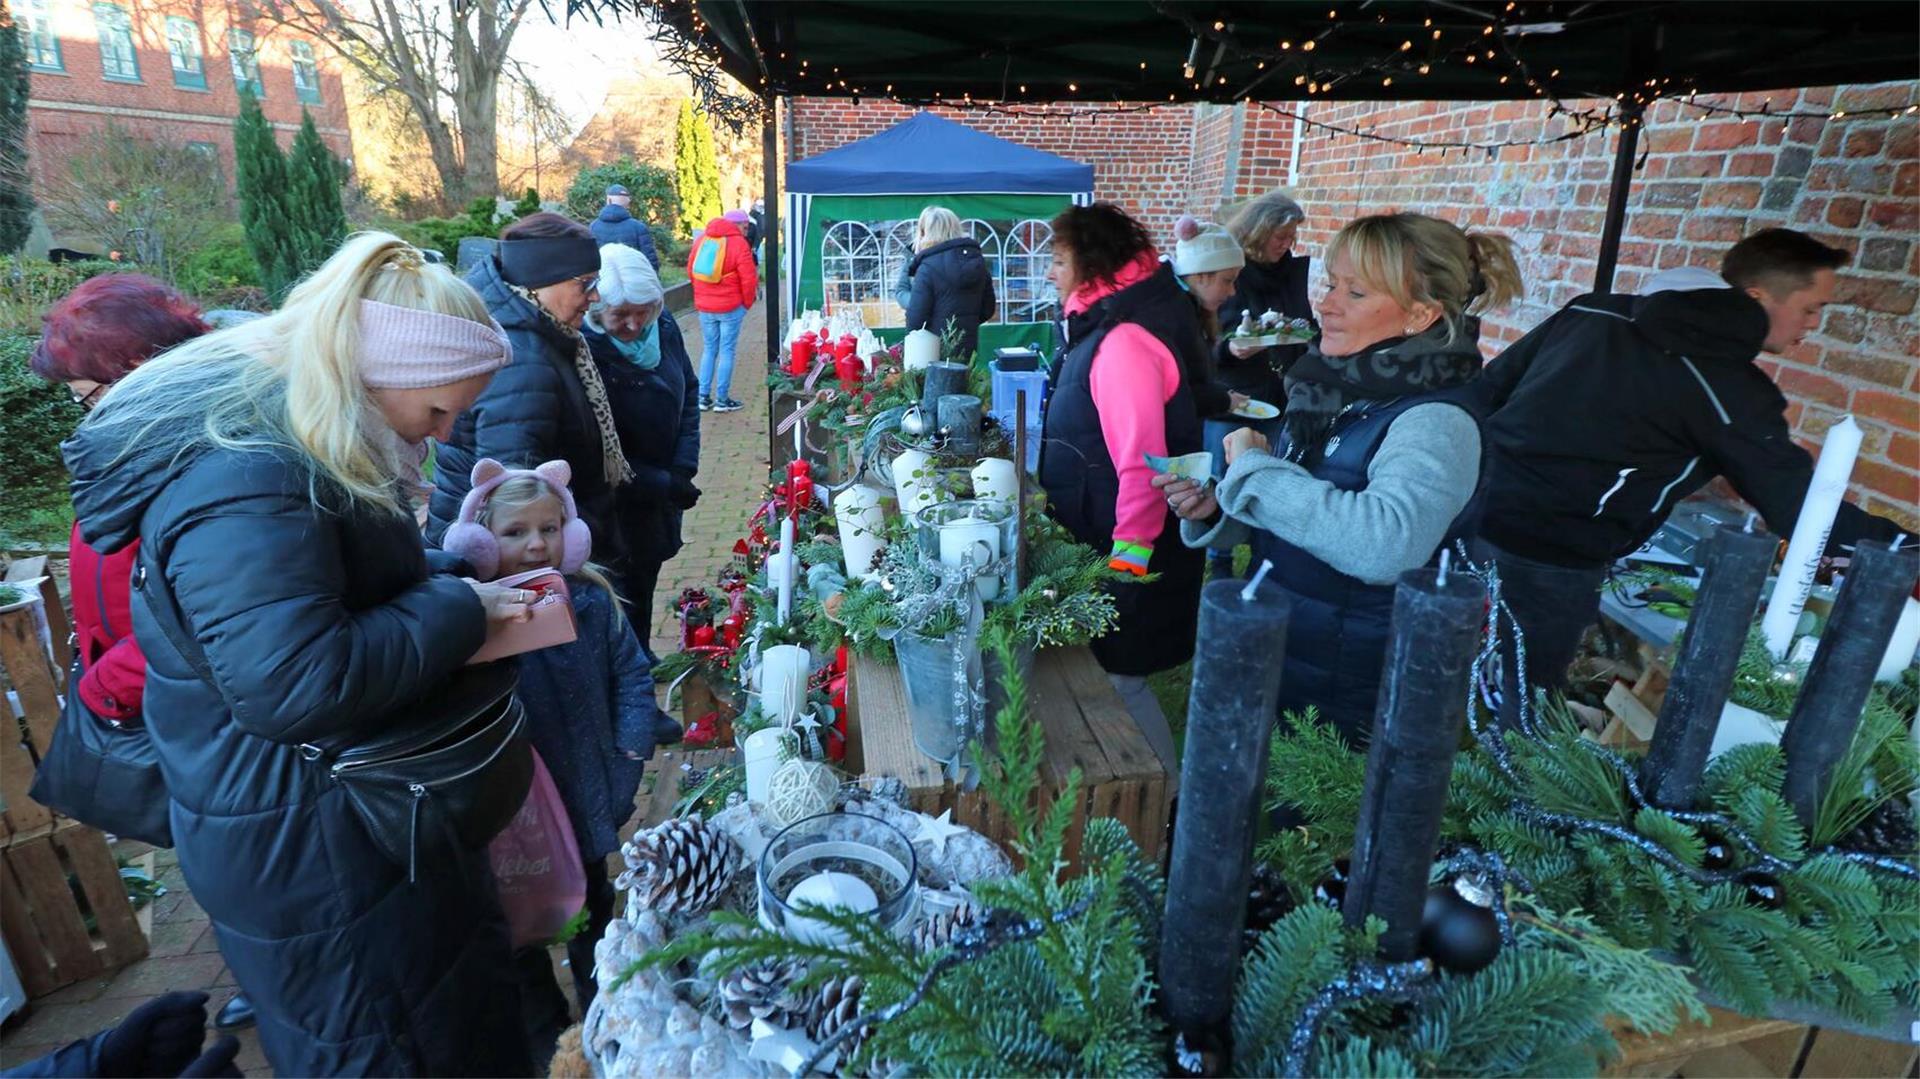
1132, 379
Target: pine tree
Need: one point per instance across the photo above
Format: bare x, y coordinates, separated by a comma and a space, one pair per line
696, 167
16, 196
262, 178
313, 191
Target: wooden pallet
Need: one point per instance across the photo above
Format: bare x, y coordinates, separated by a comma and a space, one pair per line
1085, 727
1730, 1044
34, 679
51, 888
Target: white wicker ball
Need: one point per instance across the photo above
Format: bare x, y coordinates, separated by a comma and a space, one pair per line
800, 789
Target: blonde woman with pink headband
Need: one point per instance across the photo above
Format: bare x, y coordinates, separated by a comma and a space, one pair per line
287, 608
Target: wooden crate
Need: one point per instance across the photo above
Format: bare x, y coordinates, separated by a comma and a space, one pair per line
697, 698
1085, 727
34, 679
50, 886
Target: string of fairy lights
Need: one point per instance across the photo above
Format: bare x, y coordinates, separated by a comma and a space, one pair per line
686, 43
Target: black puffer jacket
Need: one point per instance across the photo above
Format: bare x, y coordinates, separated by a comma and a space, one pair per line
951, 280
315, 620
534, 410
1617, 407
1262, 287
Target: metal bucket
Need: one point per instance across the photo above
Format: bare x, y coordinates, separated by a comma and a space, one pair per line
945, 707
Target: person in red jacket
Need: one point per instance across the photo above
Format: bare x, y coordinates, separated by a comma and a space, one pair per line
724, 284
95, 336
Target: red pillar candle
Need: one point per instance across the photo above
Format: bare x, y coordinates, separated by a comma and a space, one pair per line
800, 355
799, 467
849, 370
801, 494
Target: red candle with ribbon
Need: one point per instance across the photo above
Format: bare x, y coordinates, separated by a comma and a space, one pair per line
800, 495
849, 370
800, 355
799, 467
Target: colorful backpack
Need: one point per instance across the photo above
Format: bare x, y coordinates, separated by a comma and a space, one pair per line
709, 262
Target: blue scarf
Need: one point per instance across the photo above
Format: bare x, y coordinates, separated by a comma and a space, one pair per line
643, 353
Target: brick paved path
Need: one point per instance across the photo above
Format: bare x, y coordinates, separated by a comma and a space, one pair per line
733, 467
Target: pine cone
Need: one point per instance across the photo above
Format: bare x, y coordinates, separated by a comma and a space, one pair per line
763, 990
1888, 830
680, 866
937, 932
834, 1005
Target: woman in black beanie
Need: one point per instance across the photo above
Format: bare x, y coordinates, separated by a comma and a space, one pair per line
550, 403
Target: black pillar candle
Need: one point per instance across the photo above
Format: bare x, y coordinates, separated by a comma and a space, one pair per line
1736, 567
959, 417
1416, 731
1837, 682
941, 380
1236, 682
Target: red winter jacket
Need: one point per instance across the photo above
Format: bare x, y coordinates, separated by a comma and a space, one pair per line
738, 278
116, 671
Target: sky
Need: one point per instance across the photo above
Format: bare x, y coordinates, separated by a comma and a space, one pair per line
577, 63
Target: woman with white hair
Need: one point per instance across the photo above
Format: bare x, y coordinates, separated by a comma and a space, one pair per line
951, 282
655, 398
289, 615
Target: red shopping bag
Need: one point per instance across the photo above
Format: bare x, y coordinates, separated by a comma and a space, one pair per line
536, 865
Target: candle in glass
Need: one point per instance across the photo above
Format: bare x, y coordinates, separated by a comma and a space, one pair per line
863, 528
971, 539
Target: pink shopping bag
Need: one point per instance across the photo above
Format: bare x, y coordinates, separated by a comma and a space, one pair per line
536, 865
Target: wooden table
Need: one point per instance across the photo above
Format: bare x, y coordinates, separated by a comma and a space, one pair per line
1085, 727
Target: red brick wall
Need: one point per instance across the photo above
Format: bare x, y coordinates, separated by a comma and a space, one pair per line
67, 106
1706, 182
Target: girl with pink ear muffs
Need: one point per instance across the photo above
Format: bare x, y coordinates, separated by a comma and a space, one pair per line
590, 707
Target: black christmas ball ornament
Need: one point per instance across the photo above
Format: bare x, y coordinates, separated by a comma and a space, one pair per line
1716, 854
1763, 891
1460, 936
1332, 889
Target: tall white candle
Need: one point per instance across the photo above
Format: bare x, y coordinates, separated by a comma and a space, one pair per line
995, 478
760, 756
913, 480
783, 681
922, 348
790, 567
970, 539
863, 528
1906, 639
1810, 533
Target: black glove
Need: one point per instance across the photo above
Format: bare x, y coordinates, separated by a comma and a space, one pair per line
217, 1062
159, 1037
681, 492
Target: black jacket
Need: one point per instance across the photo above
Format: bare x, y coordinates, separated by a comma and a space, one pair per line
658, 416
1617, 407
1262, 287
315, 619
534, 410
616, 225
951, 281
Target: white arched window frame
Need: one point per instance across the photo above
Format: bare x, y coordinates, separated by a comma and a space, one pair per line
851, 264
1025, 293
984, 234
899, 252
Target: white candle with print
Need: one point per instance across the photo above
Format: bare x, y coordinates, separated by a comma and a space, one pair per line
1810, 533
760, 754
995, 478
913, 481
975, 540
863, 528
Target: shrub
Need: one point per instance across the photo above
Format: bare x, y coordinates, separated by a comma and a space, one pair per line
529, 204
35, 416
150, 199
28, 286
654, 199
224, 263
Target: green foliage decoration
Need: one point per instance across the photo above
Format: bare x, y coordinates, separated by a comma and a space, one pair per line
655, 201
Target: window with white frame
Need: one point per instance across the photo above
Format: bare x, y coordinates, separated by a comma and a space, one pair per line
118, 60
306, 73
183, 48
245, 59
1025, 293
862, 262
34, 20
852, 270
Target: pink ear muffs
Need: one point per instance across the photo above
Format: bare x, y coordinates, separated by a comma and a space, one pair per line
470, 540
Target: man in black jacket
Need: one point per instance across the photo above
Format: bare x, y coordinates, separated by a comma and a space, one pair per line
617, 225
1617, 407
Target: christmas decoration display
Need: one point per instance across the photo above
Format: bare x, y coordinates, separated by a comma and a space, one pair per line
799, 789
680, 866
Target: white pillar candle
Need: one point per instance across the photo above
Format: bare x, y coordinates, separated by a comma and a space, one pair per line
922, 348
913, 481
1810, 533
995, 478
760, 754
863, 528
828, 891
970, 539
784, 669
1906, 639
790, 569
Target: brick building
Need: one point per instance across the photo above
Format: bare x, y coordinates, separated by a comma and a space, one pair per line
1706, 180
170, 69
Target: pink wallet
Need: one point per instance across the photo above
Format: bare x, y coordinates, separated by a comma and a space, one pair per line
552, 621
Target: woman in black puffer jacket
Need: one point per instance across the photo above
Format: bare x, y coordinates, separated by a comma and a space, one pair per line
951, 279
550, 403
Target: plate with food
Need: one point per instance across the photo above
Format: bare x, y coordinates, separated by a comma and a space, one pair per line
1255, 409
1272, 328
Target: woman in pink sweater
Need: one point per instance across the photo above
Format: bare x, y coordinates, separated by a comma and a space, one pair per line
1122, 389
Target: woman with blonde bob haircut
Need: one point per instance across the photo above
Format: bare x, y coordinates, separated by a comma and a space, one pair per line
1379, 464
286, 602
950, 281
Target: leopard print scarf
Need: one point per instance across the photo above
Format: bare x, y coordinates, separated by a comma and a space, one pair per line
613, 459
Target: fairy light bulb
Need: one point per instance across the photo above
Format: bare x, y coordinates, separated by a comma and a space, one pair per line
1307, 47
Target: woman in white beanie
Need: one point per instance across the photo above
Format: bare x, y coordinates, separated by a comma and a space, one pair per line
655, 399
1207, 261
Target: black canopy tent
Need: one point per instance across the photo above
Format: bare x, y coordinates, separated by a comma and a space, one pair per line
1006, 53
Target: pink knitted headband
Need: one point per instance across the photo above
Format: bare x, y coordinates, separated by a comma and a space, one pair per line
405, 348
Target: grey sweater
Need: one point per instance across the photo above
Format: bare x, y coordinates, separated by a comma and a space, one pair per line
1418, 481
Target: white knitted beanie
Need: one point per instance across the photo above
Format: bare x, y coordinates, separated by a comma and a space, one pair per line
1204, 248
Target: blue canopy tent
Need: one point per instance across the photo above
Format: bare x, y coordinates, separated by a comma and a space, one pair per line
850, 214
